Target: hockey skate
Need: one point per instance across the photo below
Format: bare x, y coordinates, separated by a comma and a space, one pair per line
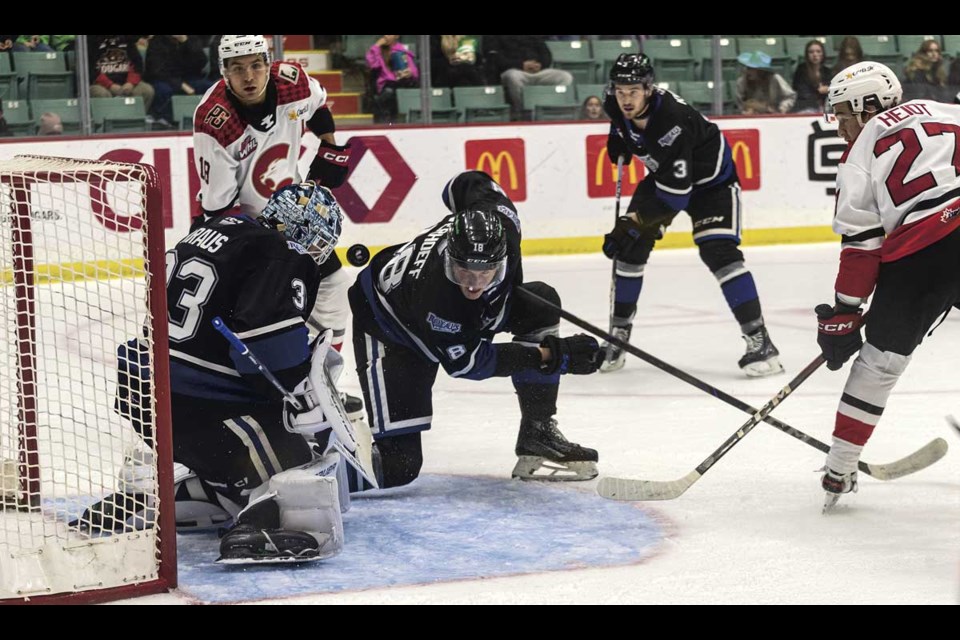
544, 454
835, 485
615, 356
761, 358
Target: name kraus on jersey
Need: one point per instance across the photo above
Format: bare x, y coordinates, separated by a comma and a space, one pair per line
415, 305
261, 156
261, 285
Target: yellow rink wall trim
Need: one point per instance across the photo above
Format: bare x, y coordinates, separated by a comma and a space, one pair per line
133, 268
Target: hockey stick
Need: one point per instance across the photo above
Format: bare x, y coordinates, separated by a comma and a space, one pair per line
616, 217
920, 459
356, 451
628, 489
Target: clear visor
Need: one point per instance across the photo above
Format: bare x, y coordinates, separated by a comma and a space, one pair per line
475, 275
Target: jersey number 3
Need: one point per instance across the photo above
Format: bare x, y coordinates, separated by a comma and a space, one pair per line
898, 186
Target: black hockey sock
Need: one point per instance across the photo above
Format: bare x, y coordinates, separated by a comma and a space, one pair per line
537, 401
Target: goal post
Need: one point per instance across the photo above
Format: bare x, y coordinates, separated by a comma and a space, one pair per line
82, 281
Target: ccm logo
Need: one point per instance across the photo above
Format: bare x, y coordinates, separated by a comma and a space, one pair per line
335, 158
838, 327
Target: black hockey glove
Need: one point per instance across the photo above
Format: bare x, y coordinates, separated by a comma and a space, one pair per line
330, 167
616, 147
625, 234
838, 333
578, 354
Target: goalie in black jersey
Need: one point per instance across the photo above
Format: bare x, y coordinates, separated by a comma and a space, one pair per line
250, 457
438, 300
690, 168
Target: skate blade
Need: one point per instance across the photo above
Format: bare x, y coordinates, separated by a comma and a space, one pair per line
763, 368
536, 468
830, 502
608, 366
288, 559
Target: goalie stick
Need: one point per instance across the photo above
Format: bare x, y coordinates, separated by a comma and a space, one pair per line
920, 459
357, 451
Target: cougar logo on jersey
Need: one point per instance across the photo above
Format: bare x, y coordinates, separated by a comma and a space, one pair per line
670, 136
273, 177
443, 326
247, 147
217, 117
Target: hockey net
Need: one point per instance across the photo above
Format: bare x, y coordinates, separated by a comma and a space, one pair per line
81, 273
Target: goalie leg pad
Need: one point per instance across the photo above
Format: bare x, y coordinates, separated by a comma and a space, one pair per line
296, 519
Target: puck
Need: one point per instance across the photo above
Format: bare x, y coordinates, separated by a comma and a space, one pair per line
358, 255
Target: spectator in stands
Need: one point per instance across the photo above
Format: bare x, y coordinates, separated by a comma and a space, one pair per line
759, 89
50, 125
925, 76
32, 43
6, 42
391, 66
811, 80
116, 69
174, 67
4, 127
592, 109
848, 53
454, 61
63, 43
518, 61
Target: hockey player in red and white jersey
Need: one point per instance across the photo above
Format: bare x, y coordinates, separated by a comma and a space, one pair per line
247, 133
898, 212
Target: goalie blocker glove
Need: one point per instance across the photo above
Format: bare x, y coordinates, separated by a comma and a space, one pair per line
331, 166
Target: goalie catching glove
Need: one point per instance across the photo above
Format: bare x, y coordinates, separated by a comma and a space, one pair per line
331, 166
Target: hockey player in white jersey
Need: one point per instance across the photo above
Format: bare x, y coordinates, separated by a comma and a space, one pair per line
247, 133
898, 212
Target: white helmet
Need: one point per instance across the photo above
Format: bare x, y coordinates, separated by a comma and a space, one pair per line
234, 46
865, 84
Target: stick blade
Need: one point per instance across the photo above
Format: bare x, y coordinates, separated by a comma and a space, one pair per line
920, 459
633, 490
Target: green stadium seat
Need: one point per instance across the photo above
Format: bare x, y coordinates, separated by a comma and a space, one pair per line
183, 108
702, 50
584, 91
17, 115
909, 45
699, 94
880, 48
574, 56
441, 105
118, 114
951, 45
482, 104
67, 108
671, 59
551, 103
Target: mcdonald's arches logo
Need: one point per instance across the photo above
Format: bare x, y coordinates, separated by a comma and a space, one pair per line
745, 147
602, 175
504, 160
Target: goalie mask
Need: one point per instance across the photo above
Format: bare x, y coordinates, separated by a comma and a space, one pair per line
308, 215
476, 251
236, 46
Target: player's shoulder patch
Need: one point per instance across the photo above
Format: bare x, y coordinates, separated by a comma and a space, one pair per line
292, 82
216, 117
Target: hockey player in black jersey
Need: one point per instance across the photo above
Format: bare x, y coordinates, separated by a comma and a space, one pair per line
689, 168
438, 300
274, 474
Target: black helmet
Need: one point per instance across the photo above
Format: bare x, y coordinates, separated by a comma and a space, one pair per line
632, 68
476, 241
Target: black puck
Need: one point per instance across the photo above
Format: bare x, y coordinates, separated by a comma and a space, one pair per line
358, 255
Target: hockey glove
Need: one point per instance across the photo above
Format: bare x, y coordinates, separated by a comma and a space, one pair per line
838, 332
616, 147
578, 354
330, 167
625, 234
